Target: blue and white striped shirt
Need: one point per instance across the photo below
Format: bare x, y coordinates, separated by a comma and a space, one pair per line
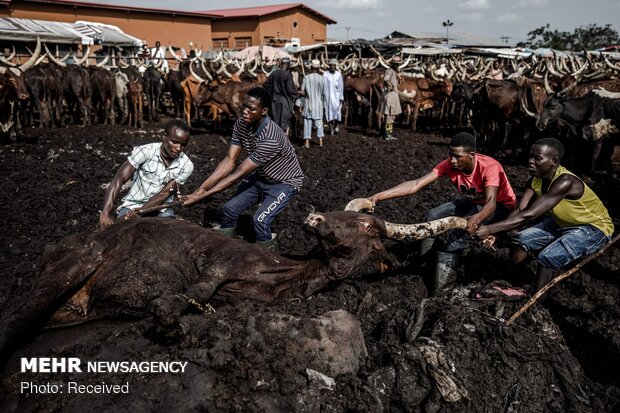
314, 86
271, 150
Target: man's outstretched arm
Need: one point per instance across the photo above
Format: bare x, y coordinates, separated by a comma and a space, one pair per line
558, 190
122, 175
405, 188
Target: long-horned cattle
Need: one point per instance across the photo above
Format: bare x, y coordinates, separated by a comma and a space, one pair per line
593, 117
158, 265
13, 90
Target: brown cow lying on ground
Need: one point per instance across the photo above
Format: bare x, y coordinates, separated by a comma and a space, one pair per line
156, 265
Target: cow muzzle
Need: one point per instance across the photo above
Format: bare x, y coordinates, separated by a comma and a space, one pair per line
312, 220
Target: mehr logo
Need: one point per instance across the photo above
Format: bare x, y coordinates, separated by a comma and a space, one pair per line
51, 365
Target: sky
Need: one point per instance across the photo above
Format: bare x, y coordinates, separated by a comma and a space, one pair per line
370, 19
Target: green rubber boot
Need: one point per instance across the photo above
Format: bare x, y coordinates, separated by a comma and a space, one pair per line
446, 270
389, 127
226, 232
270, 245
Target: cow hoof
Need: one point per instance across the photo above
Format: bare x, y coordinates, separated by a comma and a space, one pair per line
168, 308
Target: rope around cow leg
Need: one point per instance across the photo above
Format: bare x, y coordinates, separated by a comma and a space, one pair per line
206, 309
559, 278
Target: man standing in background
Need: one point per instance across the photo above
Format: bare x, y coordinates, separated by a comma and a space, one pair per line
313, 90
334, 96
283, 93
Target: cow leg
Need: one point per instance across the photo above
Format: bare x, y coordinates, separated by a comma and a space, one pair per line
416, 111
57, 283
140, 112
596, 152
169, 307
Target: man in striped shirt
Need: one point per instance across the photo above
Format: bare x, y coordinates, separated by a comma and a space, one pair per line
157, 170
271, 173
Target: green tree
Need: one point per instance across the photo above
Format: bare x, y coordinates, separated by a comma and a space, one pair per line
591, 36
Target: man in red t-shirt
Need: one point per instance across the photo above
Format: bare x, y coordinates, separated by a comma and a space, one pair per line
486, 197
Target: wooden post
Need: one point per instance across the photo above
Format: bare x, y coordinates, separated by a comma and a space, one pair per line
559, 278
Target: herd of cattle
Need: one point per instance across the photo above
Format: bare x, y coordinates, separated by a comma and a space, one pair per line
505, 100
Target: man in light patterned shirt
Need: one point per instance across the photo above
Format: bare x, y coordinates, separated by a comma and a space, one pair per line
313, 90
272, 172
158, 169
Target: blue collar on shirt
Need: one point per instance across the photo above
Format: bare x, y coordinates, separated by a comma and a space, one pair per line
262, 126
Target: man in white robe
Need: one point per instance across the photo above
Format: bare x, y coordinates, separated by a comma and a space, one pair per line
334, 96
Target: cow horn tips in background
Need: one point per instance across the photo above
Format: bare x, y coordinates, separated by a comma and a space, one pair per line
360, 204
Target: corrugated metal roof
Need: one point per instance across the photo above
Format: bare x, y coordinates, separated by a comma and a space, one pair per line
265, 10
456, 39
117, 7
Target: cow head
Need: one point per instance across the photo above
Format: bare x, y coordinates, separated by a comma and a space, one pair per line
552, 110
349, 241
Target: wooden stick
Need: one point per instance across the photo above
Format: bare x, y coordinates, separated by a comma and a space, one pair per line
559, 278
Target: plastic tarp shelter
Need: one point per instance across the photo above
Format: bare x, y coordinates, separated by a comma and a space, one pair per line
86, 33
268, 53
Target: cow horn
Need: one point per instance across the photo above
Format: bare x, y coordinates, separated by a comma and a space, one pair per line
405, 63
225, 70
609, 64
423, 229
54, 59
546, 82
220, 69
382, 62
191, 70
595, 73
202, 65
581, 69
173, 54
2, 70
7, 60
565, 65
104, 61
84, 57
569, 87
551, 69
360, 204
122, 63
40, 59
33, 58
241, 66
219, 56
525, 109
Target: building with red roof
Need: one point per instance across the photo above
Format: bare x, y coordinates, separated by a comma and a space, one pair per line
270, 25
228, 28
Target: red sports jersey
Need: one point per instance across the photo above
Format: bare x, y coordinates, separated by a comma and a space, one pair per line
487, 172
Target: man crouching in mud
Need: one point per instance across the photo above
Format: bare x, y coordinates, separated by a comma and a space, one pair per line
157, 169
570, 221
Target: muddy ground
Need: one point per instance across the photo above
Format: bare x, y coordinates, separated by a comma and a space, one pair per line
564, 356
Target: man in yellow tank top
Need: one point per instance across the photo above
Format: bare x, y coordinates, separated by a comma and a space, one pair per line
570, 220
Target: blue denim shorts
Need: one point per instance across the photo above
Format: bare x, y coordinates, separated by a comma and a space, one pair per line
555, 246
